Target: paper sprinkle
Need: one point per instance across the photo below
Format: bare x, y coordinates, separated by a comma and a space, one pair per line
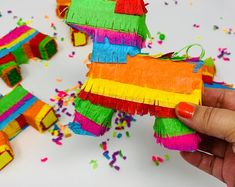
157, 160
94, 164
223, 54
45, 159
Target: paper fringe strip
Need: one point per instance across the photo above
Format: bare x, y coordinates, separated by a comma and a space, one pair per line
164, 75
114, 37
128, 106
139, 94
109, 53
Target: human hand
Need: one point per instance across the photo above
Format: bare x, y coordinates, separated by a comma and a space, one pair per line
215, 120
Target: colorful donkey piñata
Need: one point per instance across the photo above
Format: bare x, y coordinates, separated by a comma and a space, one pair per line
20, 45
18, 109
141, 84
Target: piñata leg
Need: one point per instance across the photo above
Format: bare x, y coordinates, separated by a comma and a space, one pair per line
174, 135
91, 119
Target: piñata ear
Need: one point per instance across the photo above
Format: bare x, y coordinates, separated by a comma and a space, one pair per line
131, 7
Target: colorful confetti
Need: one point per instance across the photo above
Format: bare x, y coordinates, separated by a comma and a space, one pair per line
122, 121
114, 156
94, 164
223, 54
59, 132
64, 99
72, 54
157, 160
44, 160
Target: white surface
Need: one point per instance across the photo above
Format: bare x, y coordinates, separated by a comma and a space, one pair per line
68, 165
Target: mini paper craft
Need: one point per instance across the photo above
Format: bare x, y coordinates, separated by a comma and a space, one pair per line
20, 45
117, 28
18, 109
119, 78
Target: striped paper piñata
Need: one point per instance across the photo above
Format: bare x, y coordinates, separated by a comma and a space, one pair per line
20, 45
18, 109
120, 78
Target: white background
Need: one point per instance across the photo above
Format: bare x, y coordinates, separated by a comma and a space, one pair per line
68, 165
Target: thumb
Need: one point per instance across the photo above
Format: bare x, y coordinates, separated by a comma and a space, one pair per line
219, 123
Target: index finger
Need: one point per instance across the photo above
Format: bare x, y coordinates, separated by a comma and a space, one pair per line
219, 98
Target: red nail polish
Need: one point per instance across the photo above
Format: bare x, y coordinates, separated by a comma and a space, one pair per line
186, 110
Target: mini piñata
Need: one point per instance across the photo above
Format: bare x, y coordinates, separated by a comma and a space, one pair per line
18, 109
120, 78
20, 45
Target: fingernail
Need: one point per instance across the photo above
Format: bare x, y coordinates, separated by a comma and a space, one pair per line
185, 110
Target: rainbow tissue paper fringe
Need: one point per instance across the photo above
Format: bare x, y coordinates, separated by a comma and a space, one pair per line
18, 109
20, 45
122, 31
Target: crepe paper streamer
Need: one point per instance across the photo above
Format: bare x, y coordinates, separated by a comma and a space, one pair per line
139, 94
173, 134
89, 12
6, 153
78, 38
77, 129
131, 7
177, 73
114, 37
128, 106
62, 7
94, 164
44, 160
20, 45
93, 112
109, 53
